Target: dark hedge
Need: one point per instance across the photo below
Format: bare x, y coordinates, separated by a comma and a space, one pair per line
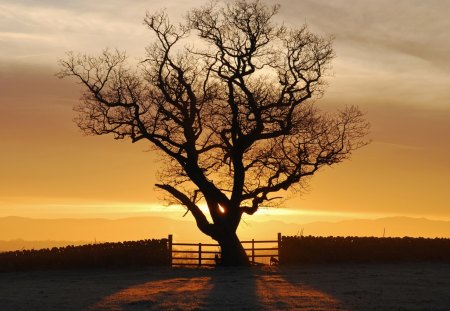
103, 255
310, 249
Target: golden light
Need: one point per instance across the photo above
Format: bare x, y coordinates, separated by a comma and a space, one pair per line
221, 209
184, 293
278, 290
203, 289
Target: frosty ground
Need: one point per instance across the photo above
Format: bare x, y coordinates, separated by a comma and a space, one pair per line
411, 286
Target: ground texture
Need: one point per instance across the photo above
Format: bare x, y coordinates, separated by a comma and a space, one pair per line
412, 286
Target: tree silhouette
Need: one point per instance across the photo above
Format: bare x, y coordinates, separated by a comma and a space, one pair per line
231, 110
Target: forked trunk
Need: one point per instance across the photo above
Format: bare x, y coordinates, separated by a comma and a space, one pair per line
232, 251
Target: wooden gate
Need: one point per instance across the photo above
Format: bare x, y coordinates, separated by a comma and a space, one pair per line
204, 254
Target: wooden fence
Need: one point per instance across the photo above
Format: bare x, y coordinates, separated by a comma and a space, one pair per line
204, 254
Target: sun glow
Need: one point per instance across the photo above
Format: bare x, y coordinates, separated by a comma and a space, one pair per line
73, 208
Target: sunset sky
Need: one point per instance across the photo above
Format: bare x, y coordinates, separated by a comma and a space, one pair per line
393, 61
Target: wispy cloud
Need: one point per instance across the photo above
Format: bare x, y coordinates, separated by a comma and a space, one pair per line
49, 28
408, 27
18, 36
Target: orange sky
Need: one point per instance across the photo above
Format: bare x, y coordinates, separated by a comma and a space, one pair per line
393, 60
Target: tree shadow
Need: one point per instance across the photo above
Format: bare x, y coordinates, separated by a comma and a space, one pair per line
188, 289
233, 289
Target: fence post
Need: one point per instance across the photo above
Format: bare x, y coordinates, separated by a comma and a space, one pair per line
199, 254
253, 251
279, 246
170, 249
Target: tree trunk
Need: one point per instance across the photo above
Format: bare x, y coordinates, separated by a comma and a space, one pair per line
232, 251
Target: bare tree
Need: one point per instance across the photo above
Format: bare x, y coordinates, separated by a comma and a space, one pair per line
232, 111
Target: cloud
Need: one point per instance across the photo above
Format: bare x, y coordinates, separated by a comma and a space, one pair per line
407, 27
49, 28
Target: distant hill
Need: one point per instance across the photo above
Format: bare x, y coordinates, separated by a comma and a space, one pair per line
92, 229
60, 232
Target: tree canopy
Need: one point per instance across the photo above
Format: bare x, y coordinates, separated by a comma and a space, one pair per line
227, 97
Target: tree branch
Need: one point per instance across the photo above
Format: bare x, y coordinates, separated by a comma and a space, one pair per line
200, 218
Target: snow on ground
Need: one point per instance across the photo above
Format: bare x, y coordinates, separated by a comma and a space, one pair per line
412, 286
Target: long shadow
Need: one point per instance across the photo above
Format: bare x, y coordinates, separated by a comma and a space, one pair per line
101, 289
180, 289
407, 286
413, 286
233, 289
133, 289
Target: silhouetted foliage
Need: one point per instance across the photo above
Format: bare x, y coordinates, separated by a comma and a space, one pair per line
233, 116
310, 249
104, 255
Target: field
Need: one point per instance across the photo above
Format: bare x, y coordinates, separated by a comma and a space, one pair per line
400, 286
316, 273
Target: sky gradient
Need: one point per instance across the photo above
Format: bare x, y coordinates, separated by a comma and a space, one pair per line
393, 61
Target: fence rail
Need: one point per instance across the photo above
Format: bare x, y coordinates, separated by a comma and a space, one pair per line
186, 257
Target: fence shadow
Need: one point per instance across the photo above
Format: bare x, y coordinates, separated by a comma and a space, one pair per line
80, 289
376, 286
